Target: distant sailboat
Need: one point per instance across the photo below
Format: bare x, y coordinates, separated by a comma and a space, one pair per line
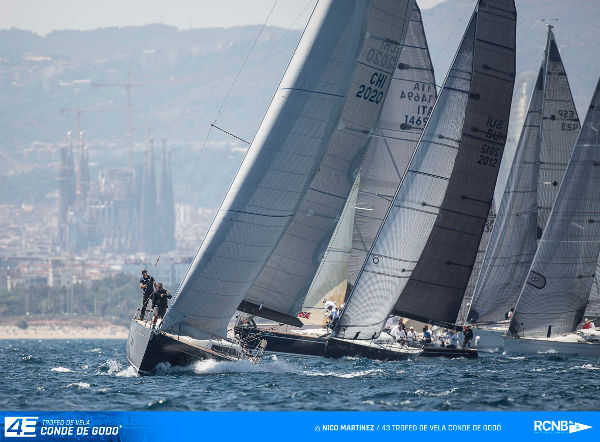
261, 252
547, 139
553, 301
421, 261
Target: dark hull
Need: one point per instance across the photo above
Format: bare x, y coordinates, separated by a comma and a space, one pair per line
146, 349
338, 348
448, 352
278, 342
303, 345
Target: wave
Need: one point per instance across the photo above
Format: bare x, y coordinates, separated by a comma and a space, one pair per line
356, 374
129, 372
92, 350
210, 366
432, 394
586, 367
61, 370
78, 385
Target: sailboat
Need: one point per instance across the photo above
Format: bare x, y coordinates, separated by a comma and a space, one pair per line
445, 195
421, 261
554, 298
545, 145
405, 112
261, 251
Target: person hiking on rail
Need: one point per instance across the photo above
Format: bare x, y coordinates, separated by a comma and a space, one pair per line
147, 284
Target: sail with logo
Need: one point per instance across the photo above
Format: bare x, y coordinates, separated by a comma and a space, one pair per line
553, 300
423, 255
262, 248
547, 139
405, 112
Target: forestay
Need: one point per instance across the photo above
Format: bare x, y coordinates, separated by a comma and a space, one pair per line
542, 154
294, 181
427, 245
554, 298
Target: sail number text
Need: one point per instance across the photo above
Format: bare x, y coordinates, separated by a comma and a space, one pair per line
489, 155
419, 94
567, 115
373, 93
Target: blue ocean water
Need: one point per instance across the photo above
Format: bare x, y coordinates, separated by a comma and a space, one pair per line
94, 375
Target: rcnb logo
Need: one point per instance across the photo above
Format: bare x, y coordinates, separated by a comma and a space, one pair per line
19, 426
558, 427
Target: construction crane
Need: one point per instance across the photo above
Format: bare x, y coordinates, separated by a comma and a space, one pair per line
128, 85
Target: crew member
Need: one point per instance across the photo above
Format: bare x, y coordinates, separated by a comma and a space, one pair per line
509, 314
468, 334
453, 338
147, 284
411, 335
159, 302
426, 335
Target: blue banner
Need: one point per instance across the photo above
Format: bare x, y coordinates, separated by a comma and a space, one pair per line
296, 426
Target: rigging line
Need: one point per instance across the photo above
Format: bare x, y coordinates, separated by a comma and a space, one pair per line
230, 134
220, 111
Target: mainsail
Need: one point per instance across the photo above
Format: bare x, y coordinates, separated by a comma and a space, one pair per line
554, 298
265, 240
420, 263
285, 279
542, 154
405, 113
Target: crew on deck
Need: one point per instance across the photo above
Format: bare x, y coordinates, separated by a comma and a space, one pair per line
159, 303
426, 335
147, 284
331, 315
468, 336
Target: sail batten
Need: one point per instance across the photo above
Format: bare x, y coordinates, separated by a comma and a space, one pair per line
434, 227
538, 167
293, 183
555, 295
405, 113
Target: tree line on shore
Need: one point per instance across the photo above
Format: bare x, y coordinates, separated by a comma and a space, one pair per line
112, 299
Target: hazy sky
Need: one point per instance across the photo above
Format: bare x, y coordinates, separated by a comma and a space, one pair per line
44, 16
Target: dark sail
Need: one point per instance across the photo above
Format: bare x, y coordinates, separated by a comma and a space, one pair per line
422, 257
547, 139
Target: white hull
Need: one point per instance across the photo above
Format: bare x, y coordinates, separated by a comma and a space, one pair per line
490, 339
540, 346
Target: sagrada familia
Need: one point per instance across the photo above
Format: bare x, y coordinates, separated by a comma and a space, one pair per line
123, 211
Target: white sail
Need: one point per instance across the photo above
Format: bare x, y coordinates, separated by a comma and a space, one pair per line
554, 298
422, 258
332, 277
297, 174
547, 139
284, 281
405, 113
